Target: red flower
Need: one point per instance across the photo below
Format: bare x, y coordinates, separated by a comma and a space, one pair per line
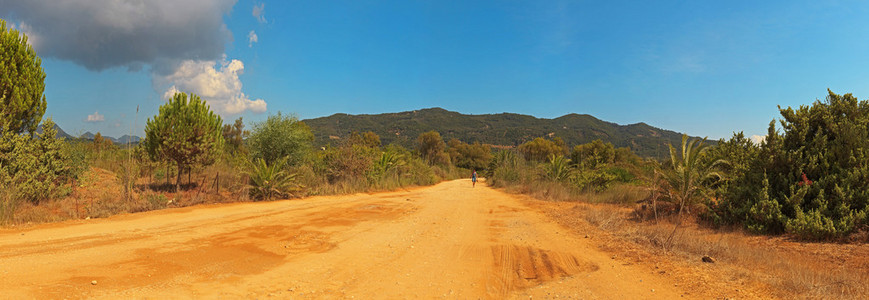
805, 181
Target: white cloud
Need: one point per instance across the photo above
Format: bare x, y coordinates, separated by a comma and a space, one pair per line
758, 138
252, 38
96, 117
216, 82
259, 12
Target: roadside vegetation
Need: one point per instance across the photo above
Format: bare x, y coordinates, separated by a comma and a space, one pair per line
805, 182
188, 156
809, 179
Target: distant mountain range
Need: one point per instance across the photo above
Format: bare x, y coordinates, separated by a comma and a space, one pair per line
501, 130
121, 140
90, 136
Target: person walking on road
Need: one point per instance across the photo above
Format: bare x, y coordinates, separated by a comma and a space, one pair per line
474, 179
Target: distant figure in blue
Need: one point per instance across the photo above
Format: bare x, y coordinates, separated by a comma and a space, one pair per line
474, 179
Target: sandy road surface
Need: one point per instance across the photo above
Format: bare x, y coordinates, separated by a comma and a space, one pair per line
446, 241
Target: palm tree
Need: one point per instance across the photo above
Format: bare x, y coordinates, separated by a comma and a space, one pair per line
691, 172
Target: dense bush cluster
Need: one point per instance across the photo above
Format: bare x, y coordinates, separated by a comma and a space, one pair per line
469, 156
810, 179
39, 167
354, 164
590, 168
540, 149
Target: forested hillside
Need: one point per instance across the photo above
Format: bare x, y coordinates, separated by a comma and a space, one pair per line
505, 129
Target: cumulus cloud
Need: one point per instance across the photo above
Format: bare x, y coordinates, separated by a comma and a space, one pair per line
101, 34
96, 117
259, 12
758, 138
252, 38
216, 82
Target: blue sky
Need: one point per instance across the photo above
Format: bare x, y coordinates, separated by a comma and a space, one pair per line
707, 68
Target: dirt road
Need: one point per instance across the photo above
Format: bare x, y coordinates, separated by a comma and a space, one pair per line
446, 241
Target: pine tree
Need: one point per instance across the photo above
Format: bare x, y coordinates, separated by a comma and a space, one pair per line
184, 132
22, 83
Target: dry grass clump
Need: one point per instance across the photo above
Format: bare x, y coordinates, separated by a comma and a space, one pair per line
619, 194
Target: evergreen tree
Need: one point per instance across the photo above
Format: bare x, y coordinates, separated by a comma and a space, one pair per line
22, 82
185, 132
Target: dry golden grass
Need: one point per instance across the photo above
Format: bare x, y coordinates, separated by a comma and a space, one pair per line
788, 270
778, 266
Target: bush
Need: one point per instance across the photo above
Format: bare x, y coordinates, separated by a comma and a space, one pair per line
540, 149
620, 174
474, 156
593, 155
810, 179
558, 169
349, 161
503, 168
38, 168
268, 181
157, 201
419, 173
594, 180
430, 147
280, 136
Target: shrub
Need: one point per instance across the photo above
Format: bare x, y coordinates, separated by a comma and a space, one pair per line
558, 169
271, 180
430, 147
503, 168
157, 201
764, 215
593, 155
810, 179
387, 163
420, 173
38, 168
278, 137
349, 161
474, 156
620, 174
540, 149
593, 180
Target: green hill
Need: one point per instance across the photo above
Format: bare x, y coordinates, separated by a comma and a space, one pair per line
505, 129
